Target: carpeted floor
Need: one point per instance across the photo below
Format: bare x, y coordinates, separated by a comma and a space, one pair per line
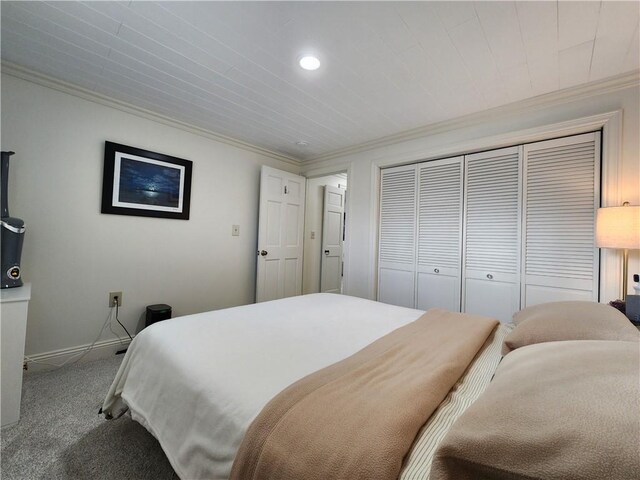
61, 436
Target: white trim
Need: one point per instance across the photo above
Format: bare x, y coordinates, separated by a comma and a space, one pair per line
611, 260
348, 232
374, 221
102, 349
571, 94
77, 91
610, 122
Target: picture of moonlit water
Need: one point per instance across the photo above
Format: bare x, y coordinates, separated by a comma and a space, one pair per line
148, 184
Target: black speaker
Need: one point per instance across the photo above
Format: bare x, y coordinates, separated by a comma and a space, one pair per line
157, 312
11, 233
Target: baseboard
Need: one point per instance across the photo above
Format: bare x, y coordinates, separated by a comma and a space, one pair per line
50, 360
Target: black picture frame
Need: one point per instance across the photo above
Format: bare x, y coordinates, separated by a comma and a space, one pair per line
144, 183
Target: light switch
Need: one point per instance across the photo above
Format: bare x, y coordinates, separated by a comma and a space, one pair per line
235, 230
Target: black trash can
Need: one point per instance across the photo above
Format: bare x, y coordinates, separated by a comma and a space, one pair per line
157, 312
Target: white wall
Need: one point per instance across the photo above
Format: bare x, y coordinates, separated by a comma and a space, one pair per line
314, 208
360, 269
74, 255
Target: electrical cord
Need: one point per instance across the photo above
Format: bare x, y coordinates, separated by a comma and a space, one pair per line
118, 320
82, 354
89, 347
117, 335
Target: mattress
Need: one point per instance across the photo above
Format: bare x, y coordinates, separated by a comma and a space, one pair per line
197, 382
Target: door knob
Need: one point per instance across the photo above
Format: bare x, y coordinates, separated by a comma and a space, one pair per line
436, 270
489, 276
263, 252
326, 252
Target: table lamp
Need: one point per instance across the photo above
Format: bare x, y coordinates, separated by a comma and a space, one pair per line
619, 227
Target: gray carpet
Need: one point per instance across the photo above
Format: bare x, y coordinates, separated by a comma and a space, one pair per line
61, 436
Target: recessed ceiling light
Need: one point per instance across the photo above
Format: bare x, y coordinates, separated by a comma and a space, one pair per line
309, 62
302, 143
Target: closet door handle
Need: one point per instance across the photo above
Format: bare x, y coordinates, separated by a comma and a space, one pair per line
489, 276
263, 252
436, 270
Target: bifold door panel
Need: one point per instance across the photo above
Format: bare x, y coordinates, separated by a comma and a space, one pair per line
396, 261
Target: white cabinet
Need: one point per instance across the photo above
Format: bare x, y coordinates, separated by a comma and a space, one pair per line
439, 234
491, 259
396, 260
14, 304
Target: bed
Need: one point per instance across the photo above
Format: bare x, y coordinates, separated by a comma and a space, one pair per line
201, 384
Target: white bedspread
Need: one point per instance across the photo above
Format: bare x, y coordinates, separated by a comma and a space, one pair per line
197, 382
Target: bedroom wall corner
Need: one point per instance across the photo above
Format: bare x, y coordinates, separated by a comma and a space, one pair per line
74, 255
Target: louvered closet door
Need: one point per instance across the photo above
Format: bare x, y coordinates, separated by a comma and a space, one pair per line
439, 234
561, 195
396, 262
491, 261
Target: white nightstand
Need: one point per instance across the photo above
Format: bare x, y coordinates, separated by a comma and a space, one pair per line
14, 303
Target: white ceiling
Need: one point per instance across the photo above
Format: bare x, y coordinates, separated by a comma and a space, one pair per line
387, 67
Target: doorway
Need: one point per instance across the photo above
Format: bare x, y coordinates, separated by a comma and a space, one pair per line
324, 225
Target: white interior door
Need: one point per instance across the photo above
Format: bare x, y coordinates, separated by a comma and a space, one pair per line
561, 194
491, 269
397, 241
439, 234
332, 228
280, 235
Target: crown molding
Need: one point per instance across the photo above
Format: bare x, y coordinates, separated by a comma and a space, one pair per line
32, 76
611, 84
567, 95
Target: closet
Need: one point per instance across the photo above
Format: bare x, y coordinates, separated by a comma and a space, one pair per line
492, 232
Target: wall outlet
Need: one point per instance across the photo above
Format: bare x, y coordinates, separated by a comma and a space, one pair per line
235, 230
313, 235
112, 299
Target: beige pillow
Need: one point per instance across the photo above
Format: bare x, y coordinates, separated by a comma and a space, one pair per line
549, 322
567, 309
554, 411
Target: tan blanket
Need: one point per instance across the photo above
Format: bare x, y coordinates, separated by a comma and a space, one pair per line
357, 418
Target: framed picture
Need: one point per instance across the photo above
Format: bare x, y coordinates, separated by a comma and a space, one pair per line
144, 183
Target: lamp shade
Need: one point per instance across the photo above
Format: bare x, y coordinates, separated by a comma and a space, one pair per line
618, 227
